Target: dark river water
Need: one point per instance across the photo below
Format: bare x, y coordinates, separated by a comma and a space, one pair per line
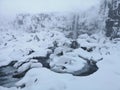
6, 78
7, 73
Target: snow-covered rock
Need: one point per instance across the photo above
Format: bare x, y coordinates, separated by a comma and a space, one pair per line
36, 65
38, 79
66, 64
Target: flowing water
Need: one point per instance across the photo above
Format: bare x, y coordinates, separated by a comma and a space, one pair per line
6, 79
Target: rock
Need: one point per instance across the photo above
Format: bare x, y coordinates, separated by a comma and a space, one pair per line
66, 64
36, 65
12, 63
43, 61
75, 44
21, 86
74, 64
59, 51
24, 67
34, 61
19, 74
88, 49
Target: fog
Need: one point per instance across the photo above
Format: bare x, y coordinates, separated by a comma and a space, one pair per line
11, 7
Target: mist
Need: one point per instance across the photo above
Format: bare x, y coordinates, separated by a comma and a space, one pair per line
12, 7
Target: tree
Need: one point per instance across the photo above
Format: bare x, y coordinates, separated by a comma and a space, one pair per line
113, 21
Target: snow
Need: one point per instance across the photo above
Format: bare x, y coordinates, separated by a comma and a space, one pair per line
106, 78
41, 77
70, 63
38, 78
21, 45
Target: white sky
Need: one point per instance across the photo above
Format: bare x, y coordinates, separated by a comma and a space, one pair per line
9, 7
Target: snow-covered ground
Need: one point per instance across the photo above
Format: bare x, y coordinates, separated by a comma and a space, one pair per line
16, 46
36, 53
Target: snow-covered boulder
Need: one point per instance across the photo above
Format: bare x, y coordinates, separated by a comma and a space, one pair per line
66, 64
41, 79
61, 50
18, 54
77, 62
23, 67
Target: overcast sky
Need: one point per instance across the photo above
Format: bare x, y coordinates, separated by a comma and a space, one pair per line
9, 7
